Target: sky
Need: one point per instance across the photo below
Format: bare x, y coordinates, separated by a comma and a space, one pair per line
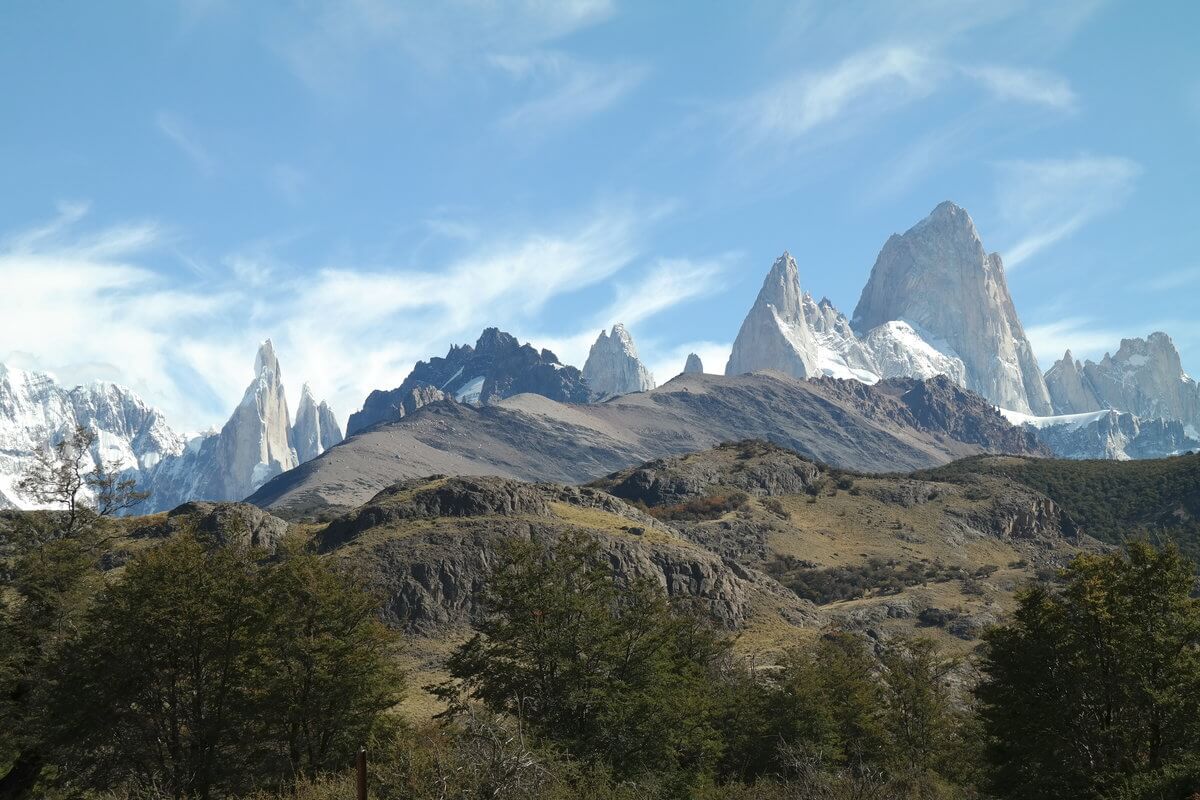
367, 182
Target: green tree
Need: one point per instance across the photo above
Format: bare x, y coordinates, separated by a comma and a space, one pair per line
54, 576
1096, 686
329, 663
609, 671
207, 670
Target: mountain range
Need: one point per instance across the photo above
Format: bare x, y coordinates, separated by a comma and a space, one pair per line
258, 442
933, 364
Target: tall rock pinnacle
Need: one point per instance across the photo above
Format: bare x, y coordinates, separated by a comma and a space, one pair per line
938, 278
693, 365
316, 429
775, 334
613, 367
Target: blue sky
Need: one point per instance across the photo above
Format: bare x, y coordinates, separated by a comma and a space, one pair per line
367, 182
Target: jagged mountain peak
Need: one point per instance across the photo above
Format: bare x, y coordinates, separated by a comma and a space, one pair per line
498, 366
693, 365
265, 360
613, 367
938, 278
776, 334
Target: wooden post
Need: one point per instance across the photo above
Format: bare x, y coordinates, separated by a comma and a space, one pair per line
362, 773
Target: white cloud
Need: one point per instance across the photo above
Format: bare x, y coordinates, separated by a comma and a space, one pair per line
867, 82
566, 89
1026, 85
1085, 337
180, 135
328, 46
1047, 201
102, 309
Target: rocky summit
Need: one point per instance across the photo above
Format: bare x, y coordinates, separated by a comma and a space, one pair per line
775, 334
693, 365
938, 279
498, 366
613, 367
257, 443
1144, 377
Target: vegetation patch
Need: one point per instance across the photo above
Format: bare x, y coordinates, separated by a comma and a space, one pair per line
712, 506
824, 585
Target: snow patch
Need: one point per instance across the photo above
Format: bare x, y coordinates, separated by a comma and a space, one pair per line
471, 391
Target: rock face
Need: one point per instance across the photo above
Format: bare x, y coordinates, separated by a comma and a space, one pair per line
498, 366
1068, 388
891, 426
316, 429
1145, 377
775, 334
34, 408
1113, 435
226, 523
938, 278
693, 365
613, 367
433, 542
256, 444
840, 353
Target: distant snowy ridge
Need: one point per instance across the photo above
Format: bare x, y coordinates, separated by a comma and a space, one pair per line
257, 443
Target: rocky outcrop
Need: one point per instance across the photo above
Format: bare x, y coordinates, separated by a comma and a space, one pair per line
429, 546
693, 365
775, 334
239, 524
1068, 388
938, 278
498, 366
316, 429
35, 409
613, 367
762, 469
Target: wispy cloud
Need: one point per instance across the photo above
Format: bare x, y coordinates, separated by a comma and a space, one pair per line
565, 89
180, 135
1049, 200
865, 83
328, 45
1085, 337
187, 346
1188, 277
1026, 85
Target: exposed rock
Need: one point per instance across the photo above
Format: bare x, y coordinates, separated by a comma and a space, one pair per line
613, 367
430, 545
226, 523
775, 334
840, 353
938, 278
498, 366
761, 469
693, 365
1069, 392
253, 446
316, 429
1145, 377
1113, 435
